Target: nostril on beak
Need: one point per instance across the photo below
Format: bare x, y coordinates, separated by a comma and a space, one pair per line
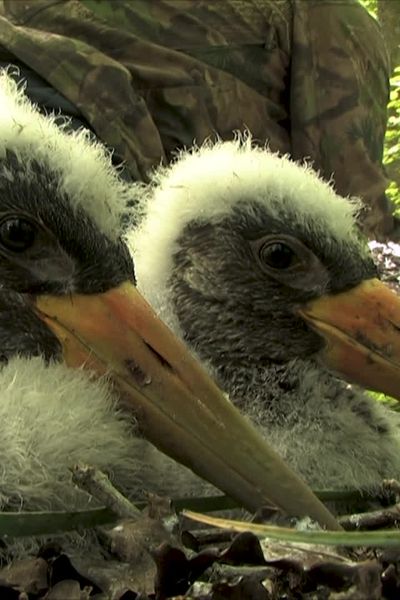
140, 377
160, 358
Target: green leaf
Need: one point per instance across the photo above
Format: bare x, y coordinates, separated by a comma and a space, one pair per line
382, 538
23, 524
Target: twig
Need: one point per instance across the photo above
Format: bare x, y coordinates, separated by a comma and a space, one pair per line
208, 537
376, 519
391, 486
98, 485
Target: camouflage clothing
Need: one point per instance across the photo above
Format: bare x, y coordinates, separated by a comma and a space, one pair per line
151, 76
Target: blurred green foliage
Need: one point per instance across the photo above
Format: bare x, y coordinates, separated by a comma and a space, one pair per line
390, 402
392, 140
371, 6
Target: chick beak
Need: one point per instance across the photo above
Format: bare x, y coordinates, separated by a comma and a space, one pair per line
362, 331
178, 407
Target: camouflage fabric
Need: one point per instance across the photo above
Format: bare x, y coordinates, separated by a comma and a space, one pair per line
152, 76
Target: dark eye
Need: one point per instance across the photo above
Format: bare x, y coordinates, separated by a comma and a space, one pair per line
16, 234
278, 255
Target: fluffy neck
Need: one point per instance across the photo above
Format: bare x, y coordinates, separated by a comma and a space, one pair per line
51, 418
334, 435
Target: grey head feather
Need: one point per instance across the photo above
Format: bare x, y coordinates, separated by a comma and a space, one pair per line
51, 416
242, 322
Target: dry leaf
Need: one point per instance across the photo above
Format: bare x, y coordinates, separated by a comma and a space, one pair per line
28, 575
68, 589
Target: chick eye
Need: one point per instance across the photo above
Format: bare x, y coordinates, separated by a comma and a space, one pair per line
17, 234
277, 255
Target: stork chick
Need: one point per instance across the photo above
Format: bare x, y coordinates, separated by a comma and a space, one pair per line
258, 265
76, 338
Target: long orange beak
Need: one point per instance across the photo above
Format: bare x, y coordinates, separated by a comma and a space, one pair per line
362, 331
178, 407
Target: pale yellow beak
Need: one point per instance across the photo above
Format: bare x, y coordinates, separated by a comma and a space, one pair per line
177, 405
362, 331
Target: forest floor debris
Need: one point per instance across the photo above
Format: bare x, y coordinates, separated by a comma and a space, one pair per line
387, 258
